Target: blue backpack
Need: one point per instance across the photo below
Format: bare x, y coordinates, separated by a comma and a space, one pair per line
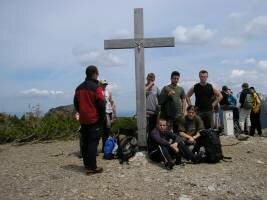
110, 148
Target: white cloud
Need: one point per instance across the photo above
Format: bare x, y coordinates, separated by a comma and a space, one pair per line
236, 15
262, 64
37, 92
237, 73
250, 61
121, 34
257, 25
230, 62
198, 34
230, 42
97, 57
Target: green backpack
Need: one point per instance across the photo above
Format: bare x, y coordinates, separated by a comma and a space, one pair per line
248, 103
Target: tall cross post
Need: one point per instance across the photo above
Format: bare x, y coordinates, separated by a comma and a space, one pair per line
139, 43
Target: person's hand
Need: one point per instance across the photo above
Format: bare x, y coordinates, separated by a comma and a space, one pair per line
213, 106
171, 93
174, 146
191, 140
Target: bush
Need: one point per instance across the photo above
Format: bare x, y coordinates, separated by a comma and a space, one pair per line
31, 127
124, 125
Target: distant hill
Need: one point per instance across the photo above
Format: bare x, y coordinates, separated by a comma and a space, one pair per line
68, 109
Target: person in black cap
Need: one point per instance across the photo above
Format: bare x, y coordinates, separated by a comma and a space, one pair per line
225, 95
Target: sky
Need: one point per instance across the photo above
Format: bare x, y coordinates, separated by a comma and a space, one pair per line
45, 47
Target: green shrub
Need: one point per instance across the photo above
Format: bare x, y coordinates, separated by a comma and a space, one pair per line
31, 127
124, 125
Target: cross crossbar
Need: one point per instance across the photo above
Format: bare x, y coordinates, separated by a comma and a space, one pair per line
145, 43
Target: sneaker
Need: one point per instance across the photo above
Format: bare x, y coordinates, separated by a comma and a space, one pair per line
94, 171
242, 137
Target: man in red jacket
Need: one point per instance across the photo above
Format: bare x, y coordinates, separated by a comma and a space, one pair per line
90, 104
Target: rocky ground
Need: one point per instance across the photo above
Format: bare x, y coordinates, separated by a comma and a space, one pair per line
53, 171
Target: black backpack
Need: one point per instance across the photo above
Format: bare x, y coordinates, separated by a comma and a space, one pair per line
212, 145
127, 147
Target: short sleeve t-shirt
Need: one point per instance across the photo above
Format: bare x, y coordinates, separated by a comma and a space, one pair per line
178, 97
190, 126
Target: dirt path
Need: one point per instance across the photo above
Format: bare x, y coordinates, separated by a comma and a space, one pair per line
53, 171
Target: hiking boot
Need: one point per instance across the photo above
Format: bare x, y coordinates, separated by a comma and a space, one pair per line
242, 137
94, 171
178, 160
169, 165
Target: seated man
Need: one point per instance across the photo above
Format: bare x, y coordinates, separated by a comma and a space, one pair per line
168, 147
190, 126
227, 105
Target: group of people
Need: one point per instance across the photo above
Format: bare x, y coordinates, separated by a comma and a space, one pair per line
171, 126
246, 111
167, 115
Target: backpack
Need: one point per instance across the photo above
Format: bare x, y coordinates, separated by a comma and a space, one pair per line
127, 147
110, 148
212, 146
248, 103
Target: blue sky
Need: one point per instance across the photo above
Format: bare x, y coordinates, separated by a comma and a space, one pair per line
45, 47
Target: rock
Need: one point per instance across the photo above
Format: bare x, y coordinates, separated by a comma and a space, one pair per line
259, 162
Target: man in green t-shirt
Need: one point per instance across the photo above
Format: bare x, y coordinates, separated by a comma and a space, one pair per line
172, 101
190, 126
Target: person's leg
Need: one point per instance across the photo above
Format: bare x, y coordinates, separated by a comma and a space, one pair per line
90, 136
235, 113
106, 131
253, 123
242, 117
248, 122
258, 123
151, 122
206, 118
81, 143
187, 154
84, 144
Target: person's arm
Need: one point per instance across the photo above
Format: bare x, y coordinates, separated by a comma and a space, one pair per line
188, 95
100, 103
149, 86
183, 102
199, 127
187, 137
218, 97
155, 135
242, 99
163, 97
197, 135
76, 103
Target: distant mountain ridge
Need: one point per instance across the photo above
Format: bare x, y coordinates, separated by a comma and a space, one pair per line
68, 109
